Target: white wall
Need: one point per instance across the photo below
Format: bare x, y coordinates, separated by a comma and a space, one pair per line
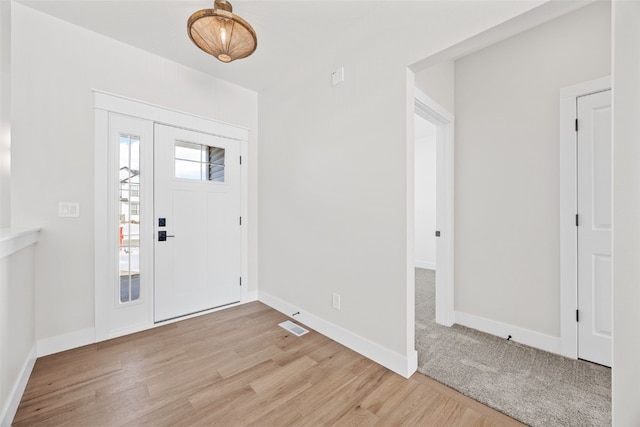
5, 115
507, 170
52, 145
438, 81
425, 194
334, 187
626, 211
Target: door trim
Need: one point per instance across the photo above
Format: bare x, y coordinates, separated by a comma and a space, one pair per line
431, 111
569, 209
105, 103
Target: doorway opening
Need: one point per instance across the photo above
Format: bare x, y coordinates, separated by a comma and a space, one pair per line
433, 199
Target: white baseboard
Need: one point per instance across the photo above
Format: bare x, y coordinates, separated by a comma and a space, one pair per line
425, 264
523, 336
10, 406
399, 364
115, 333
65, 342
412, 364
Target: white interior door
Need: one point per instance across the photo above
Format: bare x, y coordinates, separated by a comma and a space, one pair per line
425, 193
197, 194
594, 227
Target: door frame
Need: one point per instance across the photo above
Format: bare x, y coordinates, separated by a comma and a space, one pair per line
569, 208
428, 109
104, 243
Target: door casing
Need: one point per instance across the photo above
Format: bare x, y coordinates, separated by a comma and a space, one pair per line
568, 211
104, 243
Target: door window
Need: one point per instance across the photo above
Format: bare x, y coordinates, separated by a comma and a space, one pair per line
199, 162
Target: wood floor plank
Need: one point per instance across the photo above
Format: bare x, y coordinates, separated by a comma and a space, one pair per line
113, 408
389, 394
254, 411
411, 401
448, 411
44, 410
217, 391
235, 367
497, 418
272, 381
345, 398
171, 414
240, 363
357, 416
393, 394
293, 347
189, 378
222, 411
282, 416
332, 366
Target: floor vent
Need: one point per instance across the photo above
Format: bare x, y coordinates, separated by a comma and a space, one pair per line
293, 328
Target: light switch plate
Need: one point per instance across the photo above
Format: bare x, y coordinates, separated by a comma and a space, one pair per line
68, 209
335, 300
337, 76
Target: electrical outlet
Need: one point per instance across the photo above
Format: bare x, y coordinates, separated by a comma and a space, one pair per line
335, 301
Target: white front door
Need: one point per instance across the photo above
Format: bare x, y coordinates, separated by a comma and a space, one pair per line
594, 227
197, 222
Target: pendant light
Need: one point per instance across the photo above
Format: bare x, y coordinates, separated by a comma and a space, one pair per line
221, 33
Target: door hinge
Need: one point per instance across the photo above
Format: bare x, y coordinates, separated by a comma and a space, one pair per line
577, 315
240, 220
577, 220
240, 159
241, 281
576, 125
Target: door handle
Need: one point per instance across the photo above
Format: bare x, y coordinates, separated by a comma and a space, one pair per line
162, 236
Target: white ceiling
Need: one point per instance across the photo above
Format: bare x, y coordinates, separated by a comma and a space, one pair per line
287, 30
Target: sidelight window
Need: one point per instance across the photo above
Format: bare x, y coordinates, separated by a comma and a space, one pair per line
129, 236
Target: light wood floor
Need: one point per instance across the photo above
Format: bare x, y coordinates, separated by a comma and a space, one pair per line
235, 367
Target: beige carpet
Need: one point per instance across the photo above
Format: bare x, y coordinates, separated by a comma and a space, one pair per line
530, 385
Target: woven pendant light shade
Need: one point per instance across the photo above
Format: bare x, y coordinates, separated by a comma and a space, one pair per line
222, 34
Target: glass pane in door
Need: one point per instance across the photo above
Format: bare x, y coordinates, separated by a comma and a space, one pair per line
129, 245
